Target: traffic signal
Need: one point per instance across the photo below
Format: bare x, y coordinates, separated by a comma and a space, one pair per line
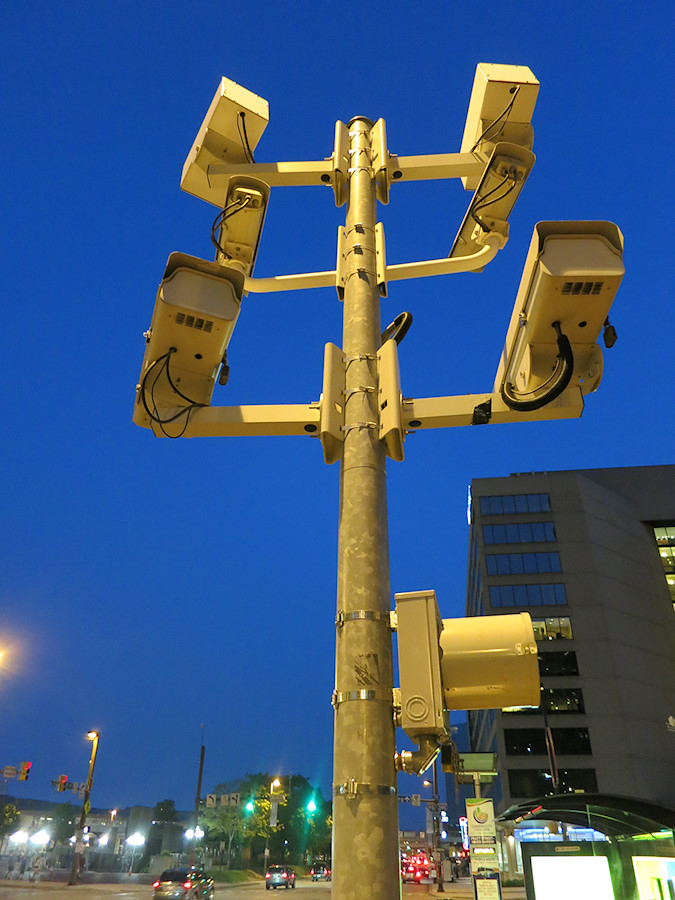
61, 782
25, 771
479, 662
250, 806
311, 806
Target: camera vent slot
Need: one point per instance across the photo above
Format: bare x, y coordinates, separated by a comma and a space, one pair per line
574, 288
194, 322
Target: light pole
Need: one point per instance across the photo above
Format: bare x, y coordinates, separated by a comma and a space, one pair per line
92, 736
134, 840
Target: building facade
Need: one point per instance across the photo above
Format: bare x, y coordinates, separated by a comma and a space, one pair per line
590, 554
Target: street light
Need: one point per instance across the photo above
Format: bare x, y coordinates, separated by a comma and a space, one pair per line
92, 736
134, 840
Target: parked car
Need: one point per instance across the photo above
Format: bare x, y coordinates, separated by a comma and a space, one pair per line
279, 876
319, 872
186, 884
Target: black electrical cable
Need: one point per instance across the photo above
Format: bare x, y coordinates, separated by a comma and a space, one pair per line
480, 204
164, 359
244, 137
505, 112
222, 217
559, 380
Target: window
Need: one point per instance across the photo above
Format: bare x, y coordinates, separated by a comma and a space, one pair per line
665, 538
519, 533
557, 628
563, 700
538, 782
514, 503
504, 595
556, 701
561, 663
522, 563
532, 741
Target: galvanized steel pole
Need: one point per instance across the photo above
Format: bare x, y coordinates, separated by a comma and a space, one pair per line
365, 804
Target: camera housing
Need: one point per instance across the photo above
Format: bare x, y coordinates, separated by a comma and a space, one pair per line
195, 312
224, 137
500, 109
571, 275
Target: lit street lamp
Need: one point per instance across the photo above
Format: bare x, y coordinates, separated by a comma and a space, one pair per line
134, 840
92, 736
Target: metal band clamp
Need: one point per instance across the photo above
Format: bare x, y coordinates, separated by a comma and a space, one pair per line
364, 694
352, 788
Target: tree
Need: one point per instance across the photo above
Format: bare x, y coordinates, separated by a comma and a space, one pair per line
299, 831
8, 816
224, 824
65, 817
165, 811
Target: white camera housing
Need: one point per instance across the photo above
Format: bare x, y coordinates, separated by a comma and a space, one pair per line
242, 222
494, 198
195, 313
493, 117
222, 138
571, 275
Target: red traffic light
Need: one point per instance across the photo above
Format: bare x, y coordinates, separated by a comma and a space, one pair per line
25, 771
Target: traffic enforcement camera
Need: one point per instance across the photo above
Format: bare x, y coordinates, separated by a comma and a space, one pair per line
482, 662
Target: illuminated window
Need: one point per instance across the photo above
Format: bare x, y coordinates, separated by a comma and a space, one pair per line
553, 629
519, 533
522, 563
557, 701
514, 503
665, 538
504, 595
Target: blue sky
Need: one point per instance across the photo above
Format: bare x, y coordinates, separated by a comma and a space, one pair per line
149, 586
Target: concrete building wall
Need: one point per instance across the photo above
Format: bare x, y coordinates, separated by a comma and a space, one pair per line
622, 619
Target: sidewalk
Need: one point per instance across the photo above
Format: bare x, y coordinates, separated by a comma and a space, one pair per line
463, 890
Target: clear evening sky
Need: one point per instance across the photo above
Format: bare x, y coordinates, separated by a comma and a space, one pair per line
149, 586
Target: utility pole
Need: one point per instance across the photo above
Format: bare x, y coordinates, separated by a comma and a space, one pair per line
362, 416
86, 806
198, 796
365, 813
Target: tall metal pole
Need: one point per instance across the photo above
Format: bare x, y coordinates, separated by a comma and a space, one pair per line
198, 796
86, 806
365, 808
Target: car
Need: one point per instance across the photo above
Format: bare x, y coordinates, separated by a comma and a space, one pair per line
319, 871
188, 883
279, 876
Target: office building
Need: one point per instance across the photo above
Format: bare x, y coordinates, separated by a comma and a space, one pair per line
590, 554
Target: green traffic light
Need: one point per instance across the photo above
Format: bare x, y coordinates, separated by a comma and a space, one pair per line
311, 806
249, 806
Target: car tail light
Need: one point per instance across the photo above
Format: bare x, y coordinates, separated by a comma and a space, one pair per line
284, 874
267, 875
156, 885
187, 885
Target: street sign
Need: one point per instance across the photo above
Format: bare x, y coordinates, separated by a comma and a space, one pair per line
416, 799
210, 799
10, 772
87, 807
